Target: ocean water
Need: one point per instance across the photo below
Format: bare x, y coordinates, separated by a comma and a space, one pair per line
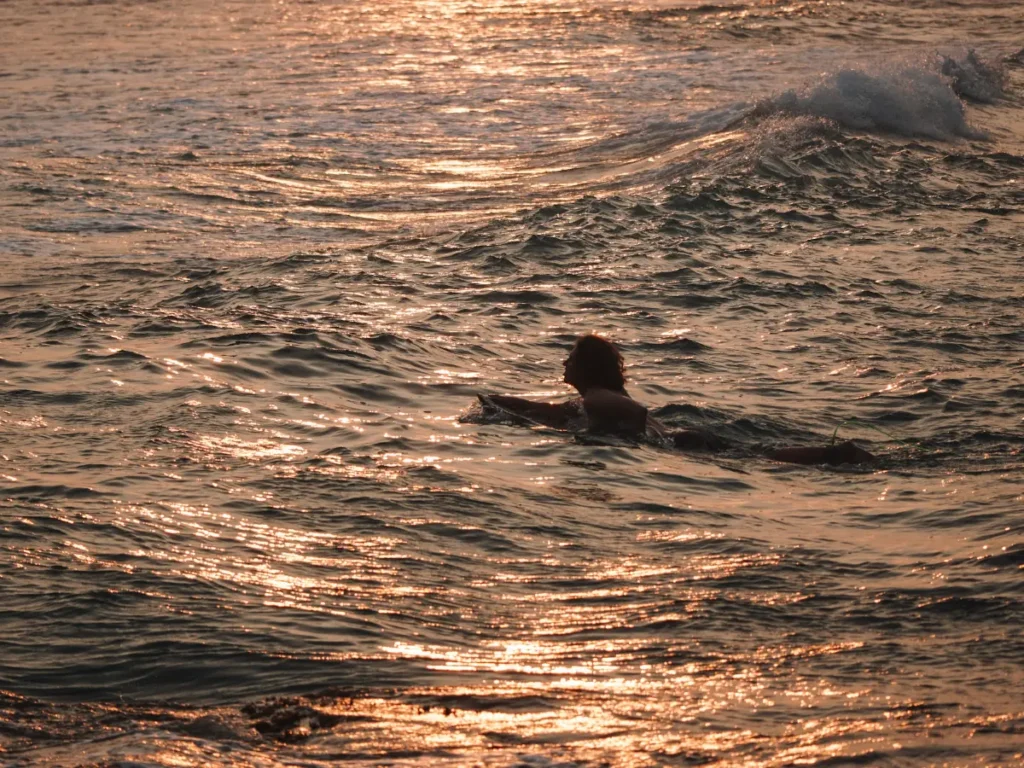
259, 257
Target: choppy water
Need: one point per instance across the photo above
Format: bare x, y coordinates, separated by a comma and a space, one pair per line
259, 257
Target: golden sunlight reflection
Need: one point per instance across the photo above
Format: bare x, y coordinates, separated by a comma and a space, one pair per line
248, 450
594, 707
260, 558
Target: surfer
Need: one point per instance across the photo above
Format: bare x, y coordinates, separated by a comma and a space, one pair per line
596, 370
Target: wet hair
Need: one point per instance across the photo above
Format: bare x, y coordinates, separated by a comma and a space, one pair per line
599, 364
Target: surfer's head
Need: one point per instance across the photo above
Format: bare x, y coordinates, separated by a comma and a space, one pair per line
595, 362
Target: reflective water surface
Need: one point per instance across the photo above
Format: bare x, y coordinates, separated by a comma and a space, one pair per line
259, 257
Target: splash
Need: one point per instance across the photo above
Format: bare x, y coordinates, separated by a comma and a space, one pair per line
973, 78
922, 99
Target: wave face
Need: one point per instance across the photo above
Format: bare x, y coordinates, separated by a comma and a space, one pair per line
259, 259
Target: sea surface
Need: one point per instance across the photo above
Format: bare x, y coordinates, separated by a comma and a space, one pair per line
259, 257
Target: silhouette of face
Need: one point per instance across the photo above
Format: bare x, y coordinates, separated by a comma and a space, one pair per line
571, 373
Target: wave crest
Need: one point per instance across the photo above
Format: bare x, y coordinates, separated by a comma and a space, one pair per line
909, 99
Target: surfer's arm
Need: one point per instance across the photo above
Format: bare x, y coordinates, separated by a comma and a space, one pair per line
552, 414
843, 453
610, 410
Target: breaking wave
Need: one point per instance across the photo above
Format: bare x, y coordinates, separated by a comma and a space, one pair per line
910, 98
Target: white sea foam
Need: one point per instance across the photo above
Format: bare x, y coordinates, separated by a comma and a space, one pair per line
911, 98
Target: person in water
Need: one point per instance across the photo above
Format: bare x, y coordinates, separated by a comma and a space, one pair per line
597, 371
